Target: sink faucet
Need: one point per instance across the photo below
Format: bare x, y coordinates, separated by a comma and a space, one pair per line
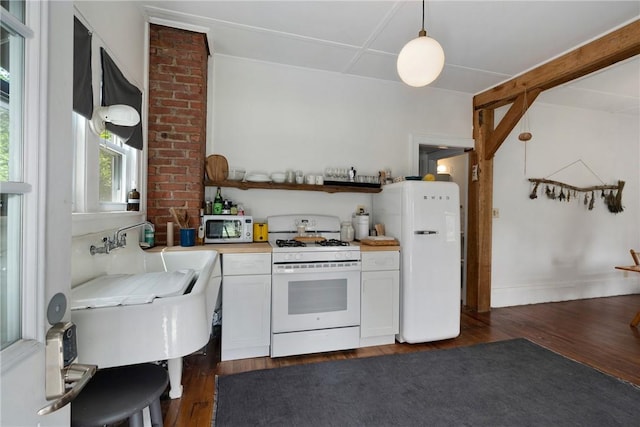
119, 239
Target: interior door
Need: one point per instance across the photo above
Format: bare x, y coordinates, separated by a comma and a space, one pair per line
40, 235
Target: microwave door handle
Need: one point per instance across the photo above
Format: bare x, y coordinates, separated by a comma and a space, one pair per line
424, 232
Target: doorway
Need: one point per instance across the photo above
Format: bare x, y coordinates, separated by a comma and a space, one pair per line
451, 156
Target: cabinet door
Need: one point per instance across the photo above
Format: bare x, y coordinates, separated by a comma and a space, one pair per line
246, 316
380, 303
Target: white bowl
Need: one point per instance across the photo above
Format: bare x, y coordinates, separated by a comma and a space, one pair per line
236, 174
278, 177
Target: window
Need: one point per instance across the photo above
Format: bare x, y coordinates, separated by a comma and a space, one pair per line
14, 188
111, 174
105, 169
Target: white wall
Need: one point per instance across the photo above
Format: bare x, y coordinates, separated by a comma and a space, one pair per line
546, 250
121, 28
269, 117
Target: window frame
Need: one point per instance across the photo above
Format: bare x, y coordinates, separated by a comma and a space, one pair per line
86, 182
33, 183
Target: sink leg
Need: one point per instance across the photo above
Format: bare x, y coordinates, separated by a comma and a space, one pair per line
175, 377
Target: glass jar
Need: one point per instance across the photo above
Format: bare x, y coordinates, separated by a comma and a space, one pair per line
346, 232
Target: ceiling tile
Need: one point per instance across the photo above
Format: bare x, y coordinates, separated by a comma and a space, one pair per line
281, 48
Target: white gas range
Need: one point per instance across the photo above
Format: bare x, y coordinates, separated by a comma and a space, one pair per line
315, 298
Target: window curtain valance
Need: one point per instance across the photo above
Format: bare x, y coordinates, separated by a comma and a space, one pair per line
116, 89
82, 88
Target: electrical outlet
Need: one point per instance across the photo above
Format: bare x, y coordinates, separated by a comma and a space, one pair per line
474, 173
495, 212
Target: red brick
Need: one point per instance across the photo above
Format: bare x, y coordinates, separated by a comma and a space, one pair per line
174, 103
177, 123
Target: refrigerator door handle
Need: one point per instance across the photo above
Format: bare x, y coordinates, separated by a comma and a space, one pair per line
423, 232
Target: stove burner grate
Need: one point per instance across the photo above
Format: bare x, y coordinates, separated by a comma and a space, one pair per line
333, 242
289, 243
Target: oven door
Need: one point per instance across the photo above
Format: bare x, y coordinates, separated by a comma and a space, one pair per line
315, 300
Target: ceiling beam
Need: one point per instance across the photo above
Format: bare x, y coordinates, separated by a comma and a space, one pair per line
614, 47
607, 50
509, 121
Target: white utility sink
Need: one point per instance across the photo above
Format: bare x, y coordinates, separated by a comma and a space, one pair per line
146, 308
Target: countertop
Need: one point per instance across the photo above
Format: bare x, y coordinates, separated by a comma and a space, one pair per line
225, 248
256, 247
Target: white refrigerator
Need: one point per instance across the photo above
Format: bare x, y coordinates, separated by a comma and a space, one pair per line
425, 217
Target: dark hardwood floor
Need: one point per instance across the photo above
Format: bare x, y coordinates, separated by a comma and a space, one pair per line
595, 332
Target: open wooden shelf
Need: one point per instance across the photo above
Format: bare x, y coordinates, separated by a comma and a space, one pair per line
301, 187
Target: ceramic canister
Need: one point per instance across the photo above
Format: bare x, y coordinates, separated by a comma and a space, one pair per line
361, 226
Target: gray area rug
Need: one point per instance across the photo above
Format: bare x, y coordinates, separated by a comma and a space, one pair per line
508, 383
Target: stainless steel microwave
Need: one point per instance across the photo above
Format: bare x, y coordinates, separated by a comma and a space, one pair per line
228, 229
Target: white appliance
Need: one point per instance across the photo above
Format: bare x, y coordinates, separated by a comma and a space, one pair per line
425, 217
315, 291
228, 228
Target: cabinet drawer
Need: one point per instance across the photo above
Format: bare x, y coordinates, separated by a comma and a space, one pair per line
246, 264
377, 261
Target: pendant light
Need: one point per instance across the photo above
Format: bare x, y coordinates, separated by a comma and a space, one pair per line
421, 60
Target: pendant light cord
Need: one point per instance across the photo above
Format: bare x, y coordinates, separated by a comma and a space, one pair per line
525, 121
423, 32
525, 126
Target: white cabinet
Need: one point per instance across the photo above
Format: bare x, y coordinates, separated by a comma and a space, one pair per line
246, 305
379, 310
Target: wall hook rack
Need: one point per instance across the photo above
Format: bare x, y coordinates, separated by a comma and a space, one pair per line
613, 201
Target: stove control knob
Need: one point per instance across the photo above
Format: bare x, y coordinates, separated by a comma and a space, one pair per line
338, 255
288, 257
298, 256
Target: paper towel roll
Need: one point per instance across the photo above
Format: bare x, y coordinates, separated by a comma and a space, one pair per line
169, 233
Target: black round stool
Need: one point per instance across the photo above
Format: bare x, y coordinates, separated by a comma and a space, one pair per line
114, 394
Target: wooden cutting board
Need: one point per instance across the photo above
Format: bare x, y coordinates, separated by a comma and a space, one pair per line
217, 167
308, 239
385, 242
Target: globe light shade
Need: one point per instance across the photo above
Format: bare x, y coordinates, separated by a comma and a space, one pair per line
420, 61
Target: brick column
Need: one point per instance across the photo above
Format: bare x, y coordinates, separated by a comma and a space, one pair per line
177, 125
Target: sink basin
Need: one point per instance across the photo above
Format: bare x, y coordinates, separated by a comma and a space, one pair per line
133, 315
128, 289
